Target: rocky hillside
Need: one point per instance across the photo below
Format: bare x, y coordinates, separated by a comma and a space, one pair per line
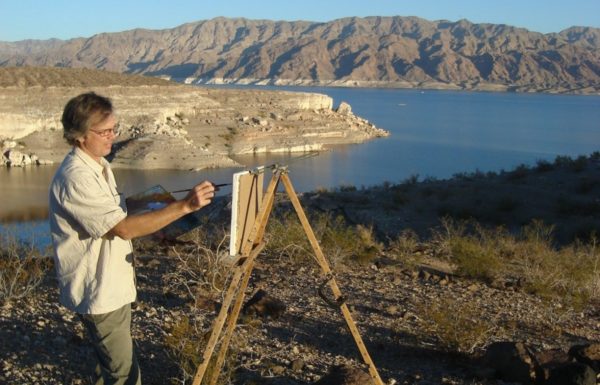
373, 51
168, 125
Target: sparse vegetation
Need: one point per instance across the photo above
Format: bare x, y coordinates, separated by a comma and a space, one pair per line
570, 274
22, 268
457, 326
338, 240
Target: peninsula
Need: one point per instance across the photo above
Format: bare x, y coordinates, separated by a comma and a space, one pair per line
167, 125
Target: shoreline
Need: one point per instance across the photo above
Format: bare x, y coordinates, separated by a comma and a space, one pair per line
466, 87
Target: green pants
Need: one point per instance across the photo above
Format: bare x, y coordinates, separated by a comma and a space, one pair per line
111, 338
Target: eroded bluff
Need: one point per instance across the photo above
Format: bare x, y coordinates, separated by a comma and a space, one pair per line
181, 127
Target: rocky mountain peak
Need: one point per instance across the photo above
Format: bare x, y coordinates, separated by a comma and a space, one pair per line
381, 51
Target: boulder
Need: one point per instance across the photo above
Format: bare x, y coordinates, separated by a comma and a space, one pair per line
9, 144
260, 121
343, 375
26, 160
344, 109
15, 158
587, 354
574, 373
510, 361
547, 361
263, 305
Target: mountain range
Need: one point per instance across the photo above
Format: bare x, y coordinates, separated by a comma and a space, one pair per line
372, 51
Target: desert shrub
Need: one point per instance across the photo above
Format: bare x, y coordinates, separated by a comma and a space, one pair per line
570, 274
411, 180
476, 251
457, 326
404, 247
544, 166
347, 188
22, 268
579, 164
471, 251
286, 237
338, 240
201, 266
562, 160
185, 345
474, 258
519, 172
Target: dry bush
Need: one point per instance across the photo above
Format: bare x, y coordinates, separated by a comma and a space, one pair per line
475, 251
403, 248
570, 274
338, 240
201, 267
457, 326
22, 268
186, 343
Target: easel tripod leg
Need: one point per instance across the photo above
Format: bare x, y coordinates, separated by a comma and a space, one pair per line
250, 250
260, 226
332, 283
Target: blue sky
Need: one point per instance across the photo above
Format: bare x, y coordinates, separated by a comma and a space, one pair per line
65, 19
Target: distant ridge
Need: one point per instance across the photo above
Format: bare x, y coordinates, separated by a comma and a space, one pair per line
25, 77
372, 51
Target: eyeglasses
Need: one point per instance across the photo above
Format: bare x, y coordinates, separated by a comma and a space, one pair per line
106, 133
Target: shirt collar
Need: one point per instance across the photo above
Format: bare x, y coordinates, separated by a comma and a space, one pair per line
95, 166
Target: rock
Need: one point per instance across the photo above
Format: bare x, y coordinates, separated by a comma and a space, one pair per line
297, 365
392, 310
26, 160
511, 361
9, 144
342, 375
260, 121
263, 305
587, 354
547, 360
277, 370
344, 109
574, 373
15, 158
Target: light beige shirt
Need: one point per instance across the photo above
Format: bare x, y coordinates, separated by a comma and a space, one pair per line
95, 274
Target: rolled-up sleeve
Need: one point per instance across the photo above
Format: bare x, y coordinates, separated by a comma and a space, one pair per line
91, 206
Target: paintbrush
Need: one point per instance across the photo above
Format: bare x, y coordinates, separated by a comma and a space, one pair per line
216, 186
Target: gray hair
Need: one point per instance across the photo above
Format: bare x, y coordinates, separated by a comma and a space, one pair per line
83, 112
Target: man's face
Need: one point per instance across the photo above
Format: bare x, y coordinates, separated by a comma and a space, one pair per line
97, 141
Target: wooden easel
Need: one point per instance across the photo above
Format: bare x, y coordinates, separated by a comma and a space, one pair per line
243, 270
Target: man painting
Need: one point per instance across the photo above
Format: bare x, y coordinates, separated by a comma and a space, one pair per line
91, 234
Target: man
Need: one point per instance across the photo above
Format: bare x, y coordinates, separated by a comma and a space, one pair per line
91, 234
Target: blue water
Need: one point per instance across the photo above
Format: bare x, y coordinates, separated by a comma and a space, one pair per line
440, 133
433, 133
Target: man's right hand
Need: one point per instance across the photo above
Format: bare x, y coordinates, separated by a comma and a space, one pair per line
199, 196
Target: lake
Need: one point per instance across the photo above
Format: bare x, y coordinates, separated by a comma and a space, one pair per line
433, 133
